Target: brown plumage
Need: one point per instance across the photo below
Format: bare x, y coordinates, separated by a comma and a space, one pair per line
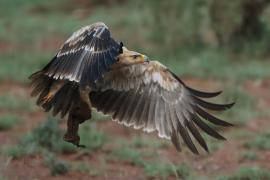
93, 70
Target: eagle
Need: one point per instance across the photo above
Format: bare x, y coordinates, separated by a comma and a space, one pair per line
92, 70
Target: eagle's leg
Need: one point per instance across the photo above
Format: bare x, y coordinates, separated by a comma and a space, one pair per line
79, 113
84, 94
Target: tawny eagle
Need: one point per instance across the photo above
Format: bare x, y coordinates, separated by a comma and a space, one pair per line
92, 70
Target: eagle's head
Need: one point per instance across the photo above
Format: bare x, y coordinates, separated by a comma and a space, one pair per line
128, 57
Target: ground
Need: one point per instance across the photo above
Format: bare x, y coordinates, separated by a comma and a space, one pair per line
105, 163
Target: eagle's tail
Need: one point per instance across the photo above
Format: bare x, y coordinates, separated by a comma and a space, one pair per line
53, 94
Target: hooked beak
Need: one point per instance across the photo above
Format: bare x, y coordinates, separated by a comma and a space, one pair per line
143, 59
146, 59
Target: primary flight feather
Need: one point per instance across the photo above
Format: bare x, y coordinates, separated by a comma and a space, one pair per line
91, 69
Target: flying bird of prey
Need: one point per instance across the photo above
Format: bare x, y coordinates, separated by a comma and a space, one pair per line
92, 70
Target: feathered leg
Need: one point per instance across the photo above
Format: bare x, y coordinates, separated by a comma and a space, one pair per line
79, 113
84, 94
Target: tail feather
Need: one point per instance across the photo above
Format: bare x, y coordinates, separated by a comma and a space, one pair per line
59, 101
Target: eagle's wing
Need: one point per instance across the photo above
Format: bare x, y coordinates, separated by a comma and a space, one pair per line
151, 97
85, 56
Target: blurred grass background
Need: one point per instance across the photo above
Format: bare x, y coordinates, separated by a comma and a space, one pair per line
224, 42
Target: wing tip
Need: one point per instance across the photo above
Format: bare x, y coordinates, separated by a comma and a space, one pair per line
203, 94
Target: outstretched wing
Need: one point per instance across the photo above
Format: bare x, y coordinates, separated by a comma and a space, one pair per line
85, 56
149, 96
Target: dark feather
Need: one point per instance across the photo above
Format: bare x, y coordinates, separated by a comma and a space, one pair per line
206, 128
175, 139
211, 118
150, 118
117, 104
70, 97
194, 131
122, 109
196, 92
109, 102
85, 56
186, 138
139, 110
119, 111
145, 109
212, 106
129, 109
171, 108
100, 100
203, 94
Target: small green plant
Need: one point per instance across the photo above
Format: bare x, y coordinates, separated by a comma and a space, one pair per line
145, 141
48, 135
130, 155
260, 142
157, 169
249, 155
247, 173
183, 171
8, 121
86, 168
90, 137
57, 167
12, 102
81, 167
2, 177
13, 151
164, 170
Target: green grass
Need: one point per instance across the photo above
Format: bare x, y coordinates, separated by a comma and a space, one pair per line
13, 151
181, 171
3, 177
247, 173
151, 169
244, 108
81, 167
249, 155
48, 136
90, 137
22, 65
56, 166
87, 168
171, 45
216, 64
12, 102
260, 141
8, 121
212, 143
129, 155
146, 141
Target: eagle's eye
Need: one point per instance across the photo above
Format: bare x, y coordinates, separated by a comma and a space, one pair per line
135, 56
